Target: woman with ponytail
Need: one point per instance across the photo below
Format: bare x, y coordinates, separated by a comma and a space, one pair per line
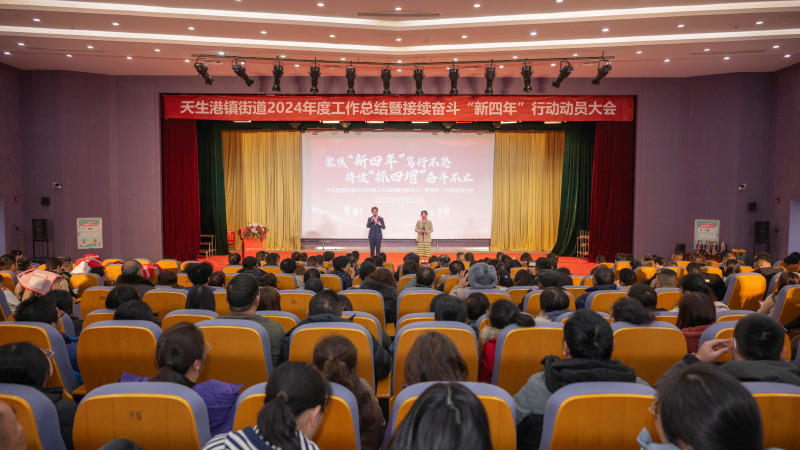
501, 314
337, 359
181, 352
296, 397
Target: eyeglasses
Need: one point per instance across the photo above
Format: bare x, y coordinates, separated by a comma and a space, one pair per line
60, 313
48, 353
208, 347
654, 408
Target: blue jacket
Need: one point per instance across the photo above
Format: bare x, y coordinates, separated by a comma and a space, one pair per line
375, 231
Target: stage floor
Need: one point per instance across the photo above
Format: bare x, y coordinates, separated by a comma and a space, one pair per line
575, 265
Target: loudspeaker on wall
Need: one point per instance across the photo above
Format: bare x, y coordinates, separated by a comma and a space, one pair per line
762, 232
39, 229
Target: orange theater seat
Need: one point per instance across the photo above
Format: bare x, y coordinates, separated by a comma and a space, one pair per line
519, 353
780, 412
413, 300
666, 345
240, 352
305, 337
296, 302
367, 301
164, 301
37, 415
745, 290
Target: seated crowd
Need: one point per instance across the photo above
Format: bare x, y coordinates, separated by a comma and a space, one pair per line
462, 290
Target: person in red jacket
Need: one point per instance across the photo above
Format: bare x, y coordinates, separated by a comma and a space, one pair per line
501, 314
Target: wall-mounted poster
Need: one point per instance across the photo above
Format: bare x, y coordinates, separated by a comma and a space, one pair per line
706, 230
90, 233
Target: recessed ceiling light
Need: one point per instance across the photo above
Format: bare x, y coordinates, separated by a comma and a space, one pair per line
574, 55
69, 56
129, 57
726, 58
760, 22
706, 49
297, 65
680, 25
397, 8
90, 46
666, 60
341, 59
6, 53
263, 31
399, 61
476, 5
501, 66
552, 64
191, 28
186, 60
333, 35
283, 56
513, 57
455, 59
158, 49
36, 19
398, 39
533, 33
605, 30
320, 4
787, 56
638, 52
559, 1
776, 46
116, 24
21, 44
399, 70
463, 36
221, 53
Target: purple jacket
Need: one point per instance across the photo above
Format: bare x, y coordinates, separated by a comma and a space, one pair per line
219, 397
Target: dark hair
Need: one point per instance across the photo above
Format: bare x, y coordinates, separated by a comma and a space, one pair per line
199, 273
434, 357
134, 310
52, 263
693, 268
366, 269
242, 291
630, 310
603, 275
271, 259
786, 279
627, 277
315, 285
668, 276
234, 259
176, 351
269, 299
23, 263
201, 297
444, 260
589, 336
261, 255
600, 259
325, 302
62, 299
374, 208
477, 305
646, 295
759, 337
543, 263
409, 267
340, 262
504, 313
446, 416
37, 309
268, 279
523, 278
288, 265
695, 309
504, 279
707, 408
293, 388
469, 257
384, 276
456, 267
167, 278
249, 263
23, 363
295, 256
121, 294
732, 266
553, 299
310, 273
425, 277
217, 279
447, 307
695, 283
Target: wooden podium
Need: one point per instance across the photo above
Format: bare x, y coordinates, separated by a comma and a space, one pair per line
251, 246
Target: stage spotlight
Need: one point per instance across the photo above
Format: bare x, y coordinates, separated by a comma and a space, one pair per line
350, 74
314, 73
489, 73
603, 67
386, 76
202, 70
240, 69
563, 73
453, 80
527, 73
277, 73
419, 74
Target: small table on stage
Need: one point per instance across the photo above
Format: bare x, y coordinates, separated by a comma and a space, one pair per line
251, 246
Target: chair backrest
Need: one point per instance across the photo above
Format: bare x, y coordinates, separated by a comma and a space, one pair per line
645, 273
94, 298
305, 337
109, 261
577, 279
5, 309
414, 318
666, 345
772, 287
98, 315
332, 282
532, 305
368, 301
414, 300
450, 282
518, 293
576, 291
587, 281
186, 263
285, 318
519, 352
296, 302
681, 271
240, 351
601, 301
780, 412
714, 270
389, 266
668, 298
744, 290
619, 409
618, 266
8, 279
495, 294
169, 264
497, 403
221, 305
564, 317
733, 315
285, 282
83, 281
107, 349
404, 280
183, 280
164, 301
154, 415
787, 304
367, 321
441, 272
462, 335
746, 269
233, 268
43, 335
667, 316
37, 415
187, 315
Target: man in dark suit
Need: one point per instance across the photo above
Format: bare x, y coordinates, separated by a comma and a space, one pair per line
375, 224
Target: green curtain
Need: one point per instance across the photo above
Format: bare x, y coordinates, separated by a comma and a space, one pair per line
212, 183
576, 186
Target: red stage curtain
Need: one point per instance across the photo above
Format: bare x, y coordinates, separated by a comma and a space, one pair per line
611, 218
180, 189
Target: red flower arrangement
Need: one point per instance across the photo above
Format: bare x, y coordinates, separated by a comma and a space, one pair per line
253, 231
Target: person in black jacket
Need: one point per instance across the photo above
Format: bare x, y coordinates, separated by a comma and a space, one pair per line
326, 306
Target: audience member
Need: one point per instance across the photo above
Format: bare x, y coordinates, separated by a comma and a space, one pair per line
65, 304
234, 259
434, 357
784, 279
541, 264
553, 302
697, 283
269, 299
630, 310
549, 278
250, 267
315, 285
341, 264
217, 279
504, 280
39, 282
44, 310
696, 312
366, 270
603, 278
480, 276
311, 273
477, 305
121, 294
646, 295
449, 308
732, 266
201, 297
694, 268
136, 310
12, 435
626, 278
523, 278
502, 313
132, 275
289, 267
268, 279
168, 278
665, 278
424, 279
199, 273
381, 280
763, 265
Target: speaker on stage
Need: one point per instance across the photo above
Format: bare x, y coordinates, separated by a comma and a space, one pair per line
762, 232
39, 229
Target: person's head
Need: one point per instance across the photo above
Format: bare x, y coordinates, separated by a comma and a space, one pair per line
249, 263
374, 211
758, 337
554, 258
66, 263
234, 259
762, 261
366, 269
704, 407
261, 256
53, 264
325, 302
312, 261
726, 255
121, 294
695, 309
553, 299
446, 416
671, 262
460, 256
503, 313
295, 256
341, 263
129, 268
269, 299
523, 278
627, 277
314, 285
242, 293
646, 295
600, 259
199, 273
659, 261
217, 279
482, 276
37, 309
697, 258
337, 359
409, 267
732, 266
134, 310
11, 433
548, 278
63, 300
200, 297
469, 257
425, 277
787, 279
603, 275
456, 267
695, 283
434, 357
24, 363
694, 268
447, 307
288, 265
587, 335
504, 279
181, 352
384, 276
268, 279
309, 274
543, 263
666, 278
296, 397
477, 305
167, 278
272, 259
630, 310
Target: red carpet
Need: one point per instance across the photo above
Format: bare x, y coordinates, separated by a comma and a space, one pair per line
575, 265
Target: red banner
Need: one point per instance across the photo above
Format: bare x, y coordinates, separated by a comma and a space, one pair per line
400, 108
